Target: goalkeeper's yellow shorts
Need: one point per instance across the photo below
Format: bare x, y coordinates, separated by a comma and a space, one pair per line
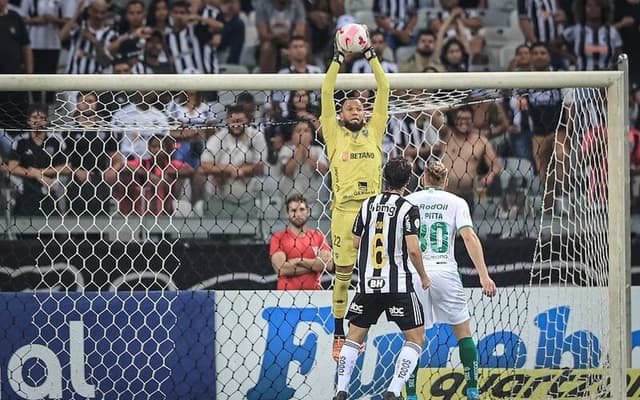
341, 237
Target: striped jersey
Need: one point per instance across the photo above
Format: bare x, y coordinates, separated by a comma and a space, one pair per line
541, 13
400, 11
594, 49
383, 260
442, 215
185, 50
83, 56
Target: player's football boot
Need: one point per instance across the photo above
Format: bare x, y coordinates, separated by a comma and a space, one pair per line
338, 342
340, 396
473, 394
390, 396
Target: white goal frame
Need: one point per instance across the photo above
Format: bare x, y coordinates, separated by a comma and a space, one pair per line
616, 83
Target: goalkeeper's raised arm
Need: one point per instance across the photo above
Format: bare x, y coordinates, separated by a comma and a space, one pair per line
354, 149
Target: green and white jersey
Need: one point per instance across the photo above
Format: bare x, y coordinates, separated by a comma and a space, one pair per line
442, 215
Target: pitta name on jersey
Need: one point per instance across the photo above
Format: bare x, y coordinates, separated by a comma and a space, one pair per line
432, 215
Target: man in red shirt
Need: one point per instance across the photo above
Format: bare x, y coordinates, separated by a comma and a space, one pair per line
299, 254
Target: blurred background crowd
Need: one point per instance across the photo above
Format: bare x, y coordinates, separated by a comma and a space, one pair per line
237, 156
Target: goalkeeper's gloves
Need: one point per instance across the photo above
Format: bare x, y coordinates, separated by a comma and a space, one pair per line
369, 53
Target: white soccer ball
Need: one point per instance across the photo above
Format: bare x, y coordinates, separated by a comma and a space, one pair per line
352, 38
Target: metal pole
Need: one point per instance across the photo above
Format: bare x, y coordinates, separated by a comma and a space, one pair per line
619, 231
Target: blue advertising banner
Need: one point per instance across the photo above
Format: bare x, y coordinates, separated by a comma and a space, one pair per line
106, 345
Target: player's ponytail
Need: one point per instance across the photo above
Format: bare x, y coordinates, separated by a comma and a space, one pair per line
436, 173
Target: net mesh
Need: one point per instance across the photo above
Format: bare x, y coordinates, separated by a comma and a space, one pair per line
127, 204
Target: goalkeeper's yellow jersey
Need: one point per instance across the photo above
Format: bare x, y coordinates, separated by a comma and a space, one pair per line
355, 159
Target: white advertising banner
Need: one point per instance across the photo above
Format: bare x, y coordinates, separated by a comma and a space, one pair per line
277, 345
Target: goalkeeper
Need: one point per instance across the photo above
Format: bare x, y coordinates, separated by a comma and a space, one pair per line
354, 149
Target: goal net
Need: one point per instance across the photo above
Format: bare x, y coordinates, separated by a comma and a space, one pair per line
138, 212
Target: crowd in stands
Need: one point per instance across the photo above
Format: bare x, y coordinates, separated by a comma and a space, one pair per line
254, 149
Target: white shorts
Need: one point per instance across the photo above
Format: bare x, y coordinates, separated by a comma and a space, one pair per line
444, 302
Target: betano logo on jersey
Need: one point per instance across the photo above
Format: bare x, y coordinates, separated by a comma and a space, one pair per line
361, 155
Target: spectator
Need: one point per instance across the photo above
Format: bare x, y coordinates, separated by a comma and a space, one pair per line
137, 122
465, 149
89, 38
520, 129
197, 123
489, 117
304, 163
232, 160
298, 50
209, 24
93, 156
184, 43
300, 108
156, 182
456, 22
154, 53
627, 17
540, 20
39, 160
397, 18
249, 105
277, 21
130, 43
321, 15
415, 137
454, 56
17, 58
44, 19
233, 32
158, 16
425, 54
521, 60
361, 65
594, 43
299, 254
544, 107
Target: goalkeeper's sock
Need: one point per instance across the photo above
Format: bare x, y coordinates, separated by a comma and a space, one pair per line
469, 358
346, 362
406, 362
340, 294
411, 384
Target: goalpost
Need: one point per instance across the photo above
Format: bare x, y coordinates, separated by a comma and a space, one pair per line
582, 246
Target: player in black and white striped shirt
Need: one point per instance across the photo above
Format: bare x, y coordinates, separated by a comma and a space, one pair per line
386, 236
89, 39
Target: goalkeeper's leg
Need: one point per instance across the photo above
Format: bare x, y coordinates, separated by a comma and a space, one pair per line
344, 257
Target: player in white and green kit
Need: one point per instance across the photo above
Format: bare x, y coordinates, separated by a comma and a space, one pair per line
443, 215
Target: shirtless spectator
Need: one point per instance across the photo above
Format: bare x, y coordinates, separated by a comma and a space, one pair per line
464, 151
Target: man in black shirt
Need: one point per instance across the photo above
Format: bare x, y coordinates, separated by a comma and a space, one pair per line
16, 59
38, 159
93, 157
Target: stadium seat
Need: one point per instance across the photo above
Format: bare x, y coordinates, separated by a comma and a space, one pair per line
248, 56
495, 17
365, 17
233, 69
496, 36
427, 13
506, 53
353, 6
404, 52
504, 4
